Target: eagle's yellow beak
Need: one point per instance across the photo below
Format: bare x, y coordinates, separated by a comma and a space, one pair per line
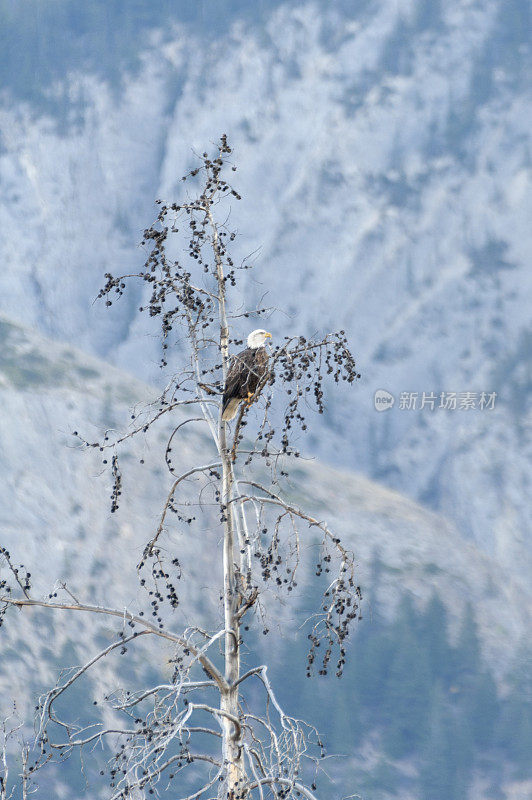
267, 335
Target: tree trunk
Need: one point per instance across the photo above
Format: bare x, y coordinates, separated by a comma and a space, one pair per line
233, 785
232, 750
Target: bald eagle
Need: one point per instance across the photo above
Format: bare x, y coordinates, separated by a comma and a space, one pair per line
246, 371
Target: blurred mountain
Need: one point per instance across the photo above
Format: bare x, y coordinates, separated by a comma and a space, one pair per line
384, 161
56, 520
55, 500
383, 153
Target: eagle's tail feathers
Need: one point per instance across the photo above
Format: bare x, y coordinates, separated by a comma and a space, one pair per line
230, 408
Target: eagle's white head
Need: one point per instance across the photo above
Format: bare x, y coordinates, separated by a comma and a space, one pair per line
258, 338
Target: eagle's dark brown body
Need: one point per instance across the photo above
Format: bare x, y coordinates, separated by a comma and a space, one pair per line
247, 370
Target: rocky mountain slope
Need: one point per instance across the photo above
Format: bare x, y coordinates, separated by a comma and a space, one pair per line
55, 510
56, 519
384, 162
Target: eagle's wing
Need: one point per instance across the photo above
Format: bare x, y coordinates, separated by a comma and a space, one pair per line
236, 375
235, 384
246, 371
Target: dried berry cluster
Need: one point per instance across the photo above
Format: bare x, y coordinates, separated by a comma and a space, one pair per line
186, 293
278, 562
341, 605
20, 576
161, 574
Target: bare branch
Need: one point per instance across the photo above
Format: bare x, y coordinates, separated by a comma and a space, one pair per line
204, 661
148, 550
299, 787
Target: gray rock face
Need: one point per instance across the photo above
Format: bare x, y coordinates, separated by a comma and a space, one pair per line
385, 168
56, 518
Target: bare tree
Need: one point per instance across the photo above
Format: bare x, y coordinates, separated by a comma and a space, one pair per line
11, 738
206, 715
